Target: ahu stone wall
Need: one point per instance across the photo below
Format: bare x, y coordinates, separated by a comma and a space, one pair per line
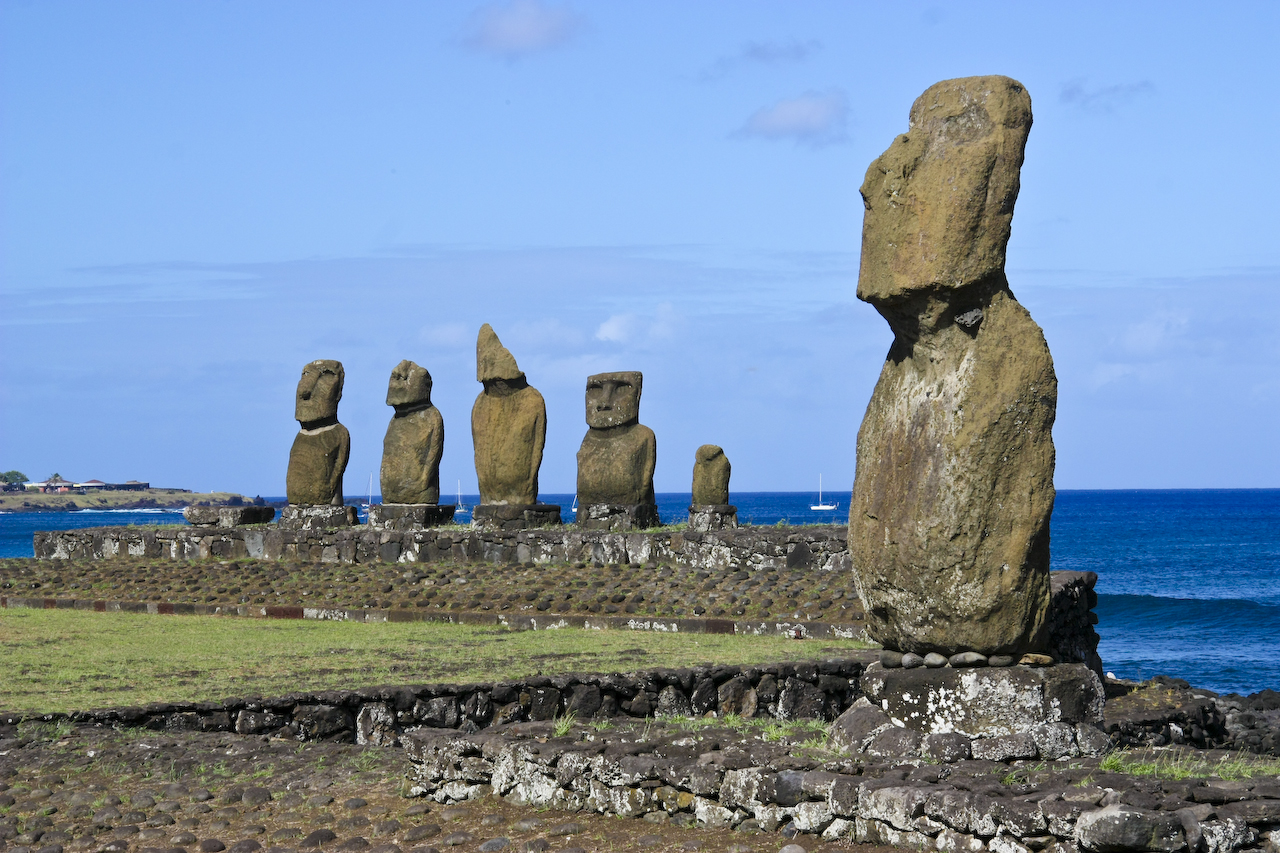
750, 548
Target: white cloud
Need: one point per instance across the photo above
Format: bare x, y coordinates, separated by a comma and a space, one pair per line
619, 328
762, 53
813, 118
1102, 99
521, 27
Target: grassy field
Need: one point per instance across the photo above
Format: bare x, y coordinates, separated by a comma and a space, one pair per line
98, 499
61, 660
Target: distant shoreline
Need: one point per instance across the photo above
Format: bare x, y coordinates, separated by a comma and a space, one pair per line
171, 499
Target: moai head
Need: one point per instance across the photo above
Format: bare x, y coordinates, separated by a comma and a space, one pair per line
319, 391
409, 386
939, 201
613, 399
495, 365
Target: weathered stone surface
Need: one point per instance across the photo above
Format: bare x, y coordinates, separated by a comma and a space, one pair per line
508, 426
618, 453
389, 516
949, 522
414, 441
711, 471
320, 451
227, 516
1119, 829
515, 516
985, 702
706, 517
617, 516
321, 517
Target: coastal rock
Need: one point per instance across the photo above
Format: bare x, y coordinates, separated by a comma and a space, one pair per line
508, 426
949, 522
618, 454
320, 451
711, 471
414, 441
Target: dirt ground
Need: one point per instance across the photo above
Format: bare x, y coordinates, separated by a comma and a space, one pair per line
66, 790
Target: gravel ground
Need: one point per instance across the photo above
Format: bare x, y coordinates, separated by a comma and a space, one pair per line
65, 790
578, 588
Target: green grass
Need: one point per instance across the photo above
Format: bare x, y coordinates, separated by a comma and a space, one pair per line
1185, 765
63, 660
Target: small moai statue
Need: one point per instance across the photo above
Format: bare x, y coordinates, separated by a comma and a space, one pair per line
320, 451
617, 456
710, 509
411, 451
509, 430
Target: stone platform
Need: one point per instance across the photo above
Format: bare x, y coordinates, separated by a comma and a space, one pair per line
409, 516
706, 517
618, 516
515, 516
228, 516
297, 517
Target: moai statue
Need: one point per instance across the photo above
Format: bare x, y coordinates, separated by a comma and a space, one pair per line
617, 457
411, 455
320, 451
949, 521
509, 429
710, 509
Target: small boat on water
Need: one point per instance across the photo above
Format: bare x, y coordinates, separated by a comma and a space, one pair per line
820, 505
460, 508
574, 509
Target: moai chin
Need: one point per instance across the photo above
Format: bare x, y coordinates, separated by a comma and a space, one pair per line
949, 521
509, 431
320, 451
617, 457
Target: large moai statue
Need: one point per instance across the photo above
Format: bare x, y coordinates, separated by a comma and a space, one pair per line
617, 456
320, 451
411, 450
509, 430
710, 509
949, 522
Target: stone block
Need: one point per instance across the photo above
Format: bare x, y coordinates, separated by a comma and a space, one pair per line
705, 517
410, 516
227, 516
984, 701
514, 516
618, 516
317, 517
1119, 829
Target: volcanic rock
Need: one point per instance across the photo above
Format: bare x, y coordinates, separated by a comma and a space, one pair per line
949, 522
508, 426
414, 442
321, 449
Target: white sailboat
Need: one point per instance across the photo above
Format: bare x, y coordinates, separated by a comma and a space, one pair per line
460, 508
820, 504
574, 509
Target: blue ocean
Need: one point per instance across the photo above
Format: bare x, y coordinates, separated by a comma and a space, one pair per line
1188, 580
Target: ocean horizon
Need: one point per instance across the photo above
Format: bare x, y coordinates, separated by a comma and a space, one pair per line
1188, 579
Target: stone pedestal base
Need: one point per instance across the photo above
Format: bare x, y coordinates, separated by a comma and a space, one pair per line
617, 516
316, 517
227, 516
514, 516
984, 701
409, 516
704, 517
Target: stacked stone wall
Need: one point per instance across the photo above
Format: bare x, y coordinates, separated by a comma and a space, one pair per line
750, 548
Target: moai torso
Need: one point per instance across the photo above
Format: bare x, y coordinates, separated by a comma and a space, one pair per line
711, 471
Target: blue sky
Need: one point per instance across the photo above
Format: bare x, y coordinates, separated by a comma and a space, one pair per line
197, 198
